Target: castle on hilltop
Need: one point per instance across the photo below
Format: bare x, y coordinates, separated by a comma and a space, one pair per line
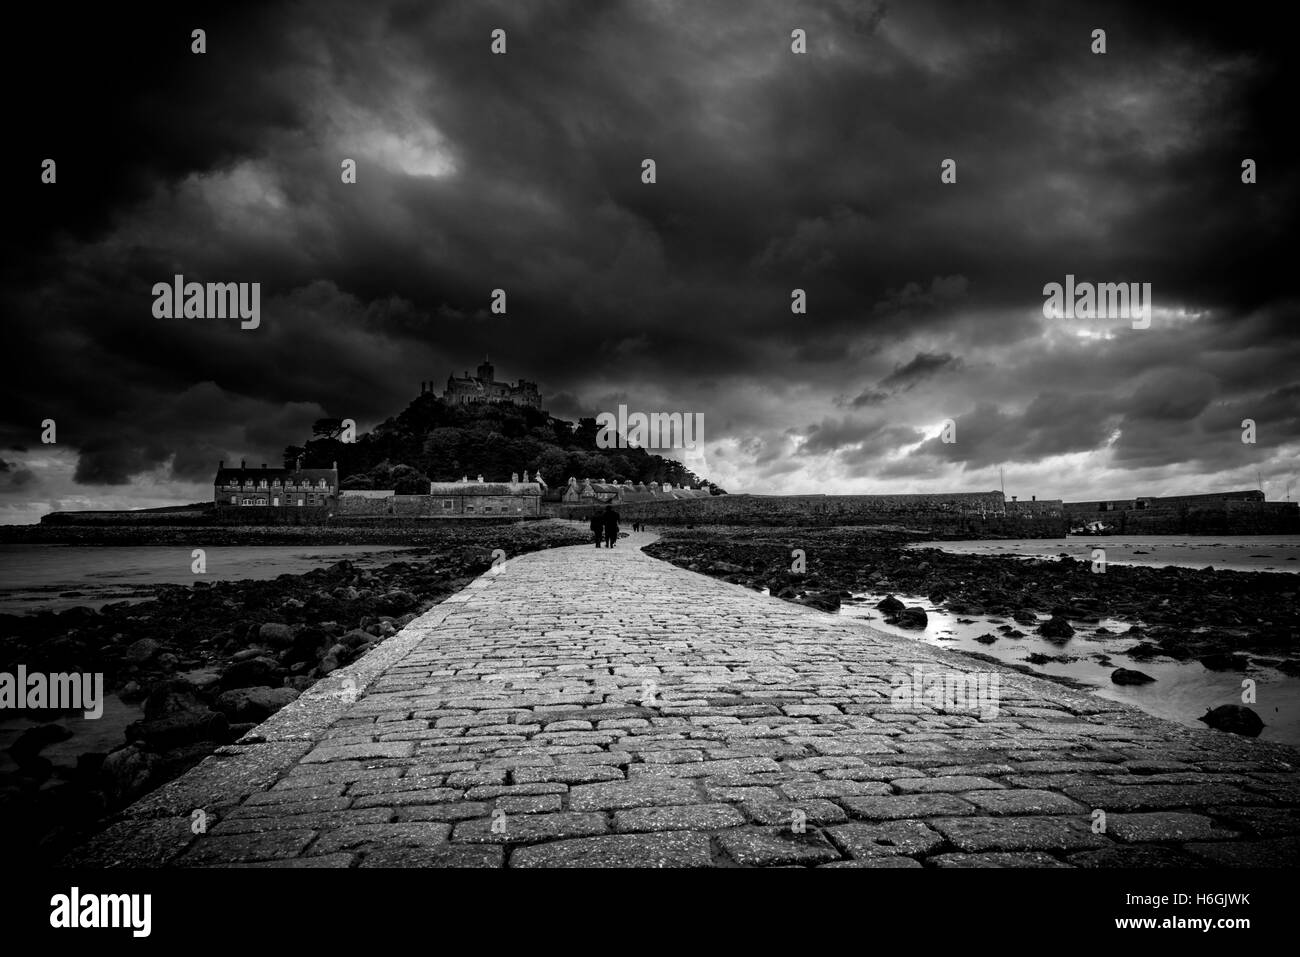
484, 387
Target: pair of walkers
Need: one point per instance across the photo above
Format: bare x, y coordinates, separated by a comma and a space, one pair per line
605, 525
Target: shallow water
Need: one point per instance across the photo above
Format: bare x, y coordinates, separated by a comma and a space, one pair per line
1253, 553
100, 734
55, 577
1183, 690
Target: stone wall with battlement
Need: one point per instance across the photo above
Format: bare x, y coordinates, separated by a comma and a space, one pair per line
959, 514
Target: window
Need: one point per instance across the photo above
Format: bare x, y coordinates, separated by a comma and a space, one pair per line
248, 501
299, 499
261, 483
320, 483
275, 500
234, 500
446, 503
261, 500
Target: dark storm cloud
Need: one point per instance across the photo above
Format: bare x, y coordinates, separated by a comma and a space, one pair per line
122, 105
868, 398
832, 435
775, 171
922, 366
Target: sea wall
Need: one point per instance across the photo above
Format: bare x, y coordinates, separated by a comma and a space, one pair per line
175, 517
1225, 517
958, 515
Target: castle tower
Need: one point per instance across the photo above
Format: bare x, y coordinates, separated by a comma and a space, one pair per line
485, 370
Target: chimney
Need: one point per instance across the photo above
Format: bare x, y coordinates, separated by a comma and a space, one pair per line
243, 463
1013, 498
263, 465
1033, 498
335, 466
297, 464
221, 464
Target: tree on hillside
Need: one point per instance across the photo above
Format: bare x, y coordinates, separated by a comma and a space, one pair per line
327, 428
431, 438
409, 481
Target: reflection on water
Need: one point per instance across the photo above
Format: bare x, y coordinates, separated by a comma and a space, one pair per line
1183, 690
101, 734
1253, 553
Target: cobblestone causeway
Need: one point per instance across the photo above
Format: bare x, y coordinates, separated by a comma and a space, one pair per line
585, 707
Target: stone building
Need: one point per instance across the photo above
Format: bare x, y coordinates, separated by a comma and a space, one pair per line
600, 492
484, 387
305, 491
463, 499
481, 499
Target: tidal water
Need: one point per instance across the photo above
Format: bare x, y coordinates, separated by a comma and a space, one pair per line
1251, 553
101, 734
1182, 691
55, 577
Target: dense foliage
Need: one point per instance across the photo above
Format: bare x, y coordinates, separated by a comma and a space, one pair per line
432, 440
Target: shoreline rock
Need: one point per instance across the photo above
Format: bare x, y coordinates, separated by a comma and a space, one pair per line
1127, 676
1178, 612
1235, 719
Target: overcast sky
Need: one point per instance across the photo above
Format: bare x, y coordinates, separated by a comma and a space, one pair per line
775, 171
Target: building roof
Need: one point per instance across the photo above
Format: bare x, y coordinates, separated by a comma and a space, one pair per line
367, 493
238, 476
484, 488
641, 495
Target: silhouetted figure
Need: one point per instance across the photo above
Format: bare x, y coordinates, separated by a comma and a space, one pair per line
597, 528
609, 520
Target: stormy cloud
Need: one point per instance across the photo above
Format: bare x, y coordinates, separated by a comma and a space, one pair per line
775, 171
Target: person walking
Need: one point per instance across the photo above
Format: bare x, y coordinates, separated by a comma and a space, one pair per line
609, 520
597, 527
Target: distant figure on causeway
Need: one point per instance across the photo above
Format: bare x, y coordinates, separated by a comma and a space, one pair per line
597, 527
609, 519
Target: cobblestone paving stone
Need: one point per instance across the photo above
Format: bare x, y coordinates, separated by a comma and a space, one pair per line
600, 708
